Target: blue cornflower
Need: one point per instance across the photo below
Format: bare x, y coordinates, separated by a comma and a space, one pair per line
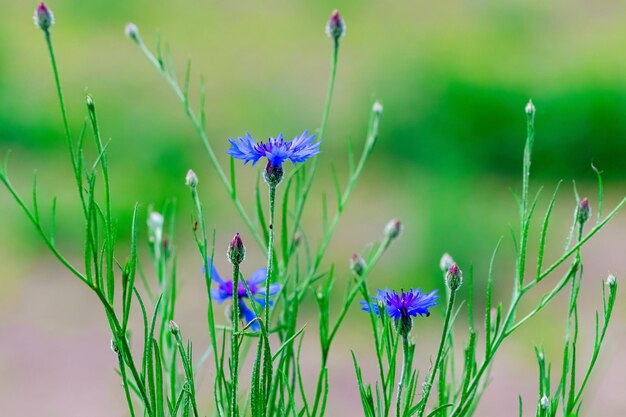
255, 283
276, 150
403, 305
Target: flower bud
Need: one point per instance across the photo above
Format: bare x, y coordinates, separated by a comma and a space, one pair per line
155, 227
584, 212
393, 229
611, 281
90, 104
273, 174
297, 239
544, 402
454, 277
132, 32
446, 262
357, 265
43, 17
530, 109
191, 179
174, 329
377, 108
236, 250
336, 27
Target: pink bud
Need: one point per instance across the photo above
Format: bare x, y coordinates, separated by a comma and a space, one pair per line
43, 17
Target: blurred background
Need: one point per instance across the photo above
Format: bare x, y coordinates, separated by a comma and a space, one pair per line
453, 77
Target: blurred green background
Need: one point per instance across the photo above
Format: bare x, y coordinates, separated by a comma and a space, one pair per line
453, 77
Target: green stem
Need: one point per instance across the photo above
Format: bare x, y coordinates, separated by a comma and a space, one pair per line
405, 371
444, 336
270, 257
321, 136
199, 126
234, 344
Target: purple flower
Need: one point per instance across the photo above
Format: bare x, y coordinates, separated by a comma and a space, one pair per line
276, 150
255, 283
403, 305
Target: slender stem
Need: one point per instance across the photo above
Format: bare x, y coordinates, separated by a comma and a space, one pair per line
199, 126
234, 344
405, 371
321, 136
444, 336
270, 258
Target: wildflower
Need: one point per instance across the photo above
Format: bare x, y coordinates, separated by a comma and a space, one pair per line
357, 265
276, 150
132, 32
224, 291
336, 26
584, 211
393, 229
454, 277
402, 307
191, 179
446, 262
43, 17
236, 250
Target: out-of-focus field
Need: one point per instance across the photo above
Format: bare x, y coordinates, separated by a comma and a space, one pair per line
453, 78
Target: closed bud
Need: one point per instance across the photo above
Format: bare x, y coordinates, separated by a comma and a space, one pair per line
393, 229
297, 239
454, 277
377, 108
174, 329
155, 227
584, 212
43, 17
336, 27
236, 250
611, 281
191, 179
357, 265
132, 32
90, 104
544, 402
446, 262
530, 109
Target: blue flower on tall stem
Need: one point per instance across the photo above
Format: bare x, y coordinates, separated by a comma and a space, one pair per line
276, 150
403, 305
256, 281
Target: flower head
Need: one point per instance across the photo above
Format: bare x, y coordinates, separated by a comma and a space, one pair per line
454, 277
191, 179
255, 282
132, 31
43, 17
276, 150
405, 304
402, 307
393, 229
